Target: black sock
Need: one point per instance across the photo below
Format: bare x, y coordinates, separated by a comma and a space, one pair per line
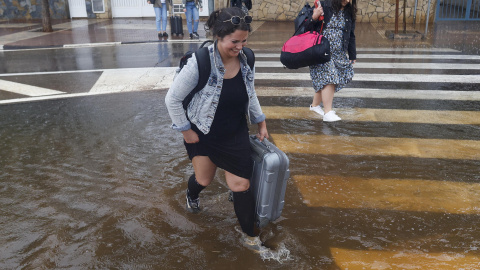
194, 188
244, 205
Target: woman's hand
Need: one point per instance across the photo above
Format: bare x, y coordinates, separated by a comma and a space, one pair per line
317, 12
353, 62
190, 136
262, 131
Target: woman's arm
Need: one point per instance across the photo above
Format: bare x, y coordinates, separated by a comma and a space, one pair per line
262, 131
315, 22
182, 85
352, 47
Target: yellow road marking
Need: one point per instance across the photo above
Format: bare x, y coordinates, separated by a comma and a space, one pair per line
389, 194
373, 259
378, 146
380, 115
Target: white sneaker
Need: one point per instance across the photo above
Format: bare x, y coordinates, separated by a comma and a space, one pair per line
331, 116
317, 109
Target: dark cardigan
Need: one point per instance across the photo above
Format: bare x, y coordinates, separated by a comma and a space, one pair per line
349, 31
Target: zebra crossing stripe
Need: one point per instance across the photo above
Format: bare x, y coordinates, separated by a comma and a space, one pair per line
389, 194
379, 115
378, 146
372, 77
27, 90
372, 93
401, 259
373, 65
431, 50
395, 56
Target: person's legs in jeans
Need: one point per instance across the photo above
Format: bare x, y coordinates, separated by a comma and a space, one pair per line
157, 18
189, 13
196, 19
164, 18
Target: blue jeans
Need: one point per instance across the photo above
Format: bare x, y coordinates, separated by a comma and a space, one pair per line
192, 15
161, 17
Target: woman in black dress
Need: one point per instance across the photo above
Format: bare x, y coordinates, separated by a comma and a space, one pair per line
216, 130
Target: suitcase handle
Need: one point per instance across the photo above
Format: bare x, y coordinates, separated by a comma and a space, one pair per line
264, 142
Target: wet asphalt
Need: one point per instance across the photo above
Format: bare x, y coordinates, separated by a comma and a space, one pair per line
93, 177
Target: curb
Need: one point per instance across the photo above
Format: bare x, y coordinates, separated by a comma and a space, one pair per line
100, 44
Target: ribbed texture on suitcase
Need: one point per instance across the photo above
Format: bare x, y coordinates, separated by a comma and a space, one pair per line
269, 180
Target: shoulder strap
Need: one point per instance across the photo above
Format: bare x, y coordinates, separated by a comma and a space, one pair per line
203, 64
250, 57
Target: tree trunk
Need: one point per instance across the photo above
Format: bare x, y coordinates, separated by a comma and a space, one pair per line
405, 16
46, 22
397, 3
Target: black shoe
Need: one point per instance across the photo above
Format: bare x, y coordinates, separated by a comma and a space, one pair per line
165, 34
191, 36
192, 206
159, 35
195, 34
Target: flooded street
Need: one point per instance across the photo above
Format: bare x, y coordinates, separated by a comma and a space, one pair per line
95, 178
86, 185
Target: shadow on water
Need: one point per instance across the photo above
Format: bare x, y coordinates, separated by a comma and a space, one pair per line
99, 182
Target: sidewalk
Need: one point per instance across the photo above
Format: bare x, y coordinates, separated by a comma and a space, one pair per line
463, 36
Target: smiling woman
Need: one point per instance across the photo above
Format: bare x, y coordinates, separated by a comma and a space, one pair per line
215, 127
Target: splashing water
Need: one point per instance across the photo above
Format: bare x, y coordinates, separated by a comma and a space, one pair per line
281, 254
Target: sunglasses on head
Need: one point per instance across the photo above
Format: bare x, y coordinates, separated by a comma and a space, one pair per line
236, 20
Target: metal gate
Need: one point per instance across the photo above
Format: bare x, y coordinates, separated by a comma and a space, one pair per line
464, 10
132, 8
78, 8
140, 8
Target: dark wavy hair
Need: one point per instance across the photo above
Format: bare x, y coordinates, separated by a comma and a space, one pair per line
219, 28
350, 7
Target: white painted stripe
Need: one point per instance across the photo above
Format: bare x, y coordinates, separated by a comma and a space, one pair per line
91, 44
371, 77
27, 90
407, 50
132, 26
111, 81
134, 79
41, 98
373, 93
409, 257
416, 195
419, 56
379, 115
373, 65
395, 56
378, 146
186, 40
17, 25
166, 69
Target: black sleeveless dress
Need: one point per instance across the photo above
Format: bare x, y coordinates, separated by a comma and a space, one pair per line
227, 144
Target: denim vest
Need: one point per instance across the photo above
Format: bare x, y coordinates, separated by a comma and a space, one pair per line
203, 106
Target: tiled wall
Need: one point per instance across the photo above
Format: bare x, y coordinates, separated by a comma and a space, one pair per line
31, 9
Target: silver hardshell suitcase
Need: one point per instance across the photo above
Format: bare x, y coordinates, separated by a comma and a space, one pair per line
269, 180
